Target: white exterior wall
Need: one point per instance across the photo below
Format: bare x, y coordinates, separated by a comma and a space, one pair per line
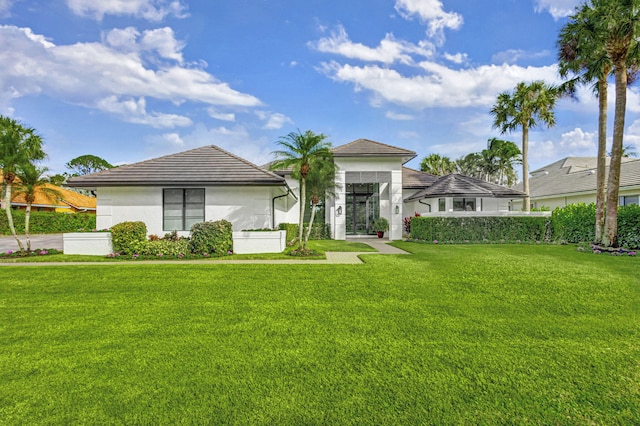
564, 200
482, 204
244, 207
288, 210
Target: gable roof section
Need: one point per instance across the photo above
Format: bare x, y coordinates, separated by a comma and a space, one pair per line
415, 179
68, 199
207, 165
456, 185
575, 175
369, 148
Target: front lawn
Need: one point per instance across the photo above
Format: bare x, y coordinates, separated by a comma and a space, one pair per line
490, 334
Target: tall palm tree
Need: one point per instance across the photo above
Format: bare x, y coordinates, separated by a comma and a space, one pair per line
470, 165
19, 145
438, 165
617, 28
527, 106
321, 182
31, 182
300, 151
505, 155
583, 58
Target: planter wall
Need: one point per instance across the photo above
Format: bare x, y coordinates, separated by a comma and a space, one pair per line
251, 242
91, 243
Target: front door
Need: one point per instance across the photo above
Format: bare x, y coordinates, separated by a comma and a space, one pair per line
362, 208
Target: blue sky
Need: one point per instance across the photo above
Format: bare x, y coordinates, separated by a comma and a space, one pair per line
129, 80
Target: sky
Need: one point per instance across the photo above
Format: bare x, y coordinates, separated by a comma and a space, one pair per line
129, 80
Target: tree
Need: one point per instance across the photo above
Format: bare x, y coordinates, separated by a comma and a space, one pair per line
31, 182
438, 165
470, 165
627, 151
527, 106
321, 181
505, 155
583, 57
57, 179
19, 145
300, 151
616, 27
86, 164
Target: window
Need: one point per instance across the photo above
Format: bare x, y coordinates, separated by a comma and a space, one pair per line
627, 200
181, 208
464, 204
442, 206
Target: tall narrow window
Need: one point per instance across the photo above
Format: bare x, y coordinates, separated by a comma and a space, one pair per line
182, 208
442, 204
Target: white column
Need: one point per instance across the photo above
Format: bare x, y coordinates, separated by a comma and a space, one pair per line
395, 219
340, 207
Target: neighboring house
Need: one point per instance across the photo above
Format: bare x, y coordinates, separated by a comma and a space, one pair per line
208, 183
573, 180
68, 202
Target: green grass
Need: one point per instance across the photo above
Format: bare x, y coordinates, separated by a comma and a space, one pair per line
337, 245
492, 334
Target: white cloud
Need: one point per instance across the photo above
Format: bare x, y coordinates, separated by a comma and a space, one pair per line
389, 51
438, 86
223, 116
400, 117
557, 8
88, 73
513, 56
458, 58
579, 141
152, 10
432, 13
274, 120
135, 111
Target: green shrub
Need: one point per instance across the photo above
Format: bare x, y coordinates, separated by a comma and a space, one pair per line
125, 235
48, 222
574, 223
381, 225
214, 238
160, 247
319, 231
629, 226
489, 228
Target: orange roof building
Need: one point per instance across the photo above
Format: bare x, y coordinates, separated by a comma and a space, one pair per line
69, 202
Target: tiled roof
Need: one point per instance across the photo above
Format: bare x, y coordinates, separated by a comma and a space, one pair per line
68, 199
415, 179
456, 185
207, 165
368, 148
575, 175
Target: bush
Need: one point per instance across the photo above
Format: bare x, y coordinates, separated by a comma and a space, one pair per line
319, 231
629, 227
574, 223
480, 228
125, 235
160, 248
213, 238
48, 222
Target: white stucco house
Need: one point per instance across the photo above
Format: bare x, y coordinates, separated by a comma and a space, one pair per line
208, 183
572, 180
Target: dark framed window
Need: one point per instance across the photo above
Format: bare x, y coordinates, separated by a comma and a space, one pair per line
464, 204
627, 200
181, 208
442, 206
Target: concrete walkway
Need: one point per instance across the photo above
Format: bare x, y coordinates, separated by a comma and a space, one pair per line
334, 258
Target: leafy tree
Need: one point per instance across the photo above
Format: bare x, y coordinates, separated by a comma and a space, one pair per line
438, 165
504, 155
301, 151
19, 146
30, 183
527, 106
86, 164
57, 179
627, 151
321, 181
470, 165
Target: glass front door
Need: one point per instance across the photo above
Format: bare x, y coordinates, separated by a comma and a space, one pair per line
362, 208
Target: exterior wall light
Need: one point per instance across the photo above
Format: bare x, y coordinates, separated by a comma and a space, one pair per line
397, 209
339, 211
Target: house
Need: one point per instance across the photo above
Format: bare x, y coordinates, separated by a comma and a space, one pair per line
68, 201
208, 183
573, 180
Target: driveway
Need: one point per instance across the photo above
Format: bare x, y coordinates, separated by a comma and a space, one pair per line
47, 241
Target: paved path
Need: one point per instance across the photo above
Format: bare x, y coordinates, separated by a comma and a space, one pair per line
47, 241
335, 258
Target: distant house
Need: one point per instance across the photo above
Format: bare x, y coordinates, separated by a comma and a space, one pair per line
208, 183
573, 180
68, 202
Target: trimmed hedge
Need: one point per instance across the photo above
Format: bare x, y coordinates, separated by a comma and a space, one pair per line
125, 236
574, 223
481, 228
213, 238
48, 222
319, 231
629, 226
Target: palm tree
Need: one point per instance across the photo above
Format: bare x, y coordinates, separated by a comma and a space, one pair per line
321, 181
30, 183
582, 55
616, 26
438, 165
470, 165
505, 154
300, 151
527, 106
19, 145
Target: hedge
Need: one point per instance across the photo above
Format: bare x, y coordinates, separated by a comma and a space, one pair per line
48, 222
480, 228
125, 236
213, 238
319, 231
